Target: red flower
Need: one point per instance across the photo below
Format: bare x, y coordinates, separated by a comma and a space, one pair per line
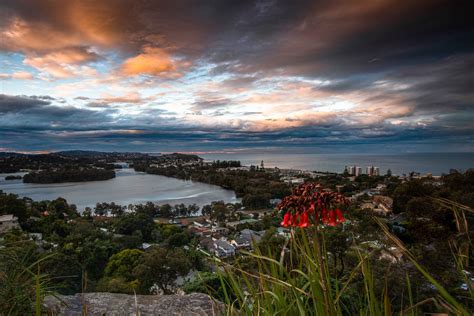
286, 220
304, 220
340, 218
332, 218
310, 199
294, 220
324, 215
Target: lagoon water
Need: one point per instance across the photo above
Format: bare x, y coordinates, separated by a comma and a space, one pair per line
400, 163
128, 187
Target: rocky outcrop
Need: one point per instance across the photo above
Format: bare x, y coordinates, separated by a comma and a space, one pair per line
123, 304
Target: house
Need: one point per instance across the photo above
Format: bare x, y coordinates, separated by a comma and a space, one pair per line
244, 221
200, 231
8, 222
384, 203
201, 223
222, 248
246, 239
242, 242
219, 230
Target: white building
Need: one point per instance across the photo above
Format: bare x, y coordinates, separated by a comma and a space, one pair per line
376, 171
358, 171
8, 222
370, 170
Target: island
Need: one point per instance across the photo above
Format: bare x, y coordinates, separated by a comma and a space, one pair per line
13, 178
69, 175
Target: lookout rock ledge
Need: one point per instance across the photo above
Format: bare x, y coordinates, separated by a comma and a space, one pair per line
123, 304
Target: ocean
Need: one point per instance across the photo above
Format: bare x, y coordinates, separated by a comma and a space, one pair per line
435, 163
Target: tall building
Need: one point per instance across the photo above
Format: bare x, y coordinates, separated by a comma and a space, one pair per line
370, 170
352, 170
358, 171
376, 171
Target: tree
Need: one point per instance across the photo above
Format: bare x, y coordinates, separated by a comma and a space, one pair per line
178, 240
128, 224
118, 276
87, 212
161, 267
206, 210
165, 210
404, 192
11, 204
122, 263
219, 211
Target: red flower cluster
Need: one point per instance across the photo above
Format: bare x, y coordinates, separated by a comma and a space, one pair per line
310, 204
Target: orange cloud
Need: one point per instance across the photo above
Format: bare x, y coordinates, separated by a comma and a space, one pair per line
63, 63
153, 61
23, 75
20, 35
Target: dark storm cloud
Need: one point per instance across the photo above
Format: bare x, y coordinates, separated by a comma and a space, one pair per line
9, 104
33, 112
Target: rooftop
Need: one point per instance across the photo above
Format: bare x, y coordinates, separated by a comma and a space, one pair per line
7, 218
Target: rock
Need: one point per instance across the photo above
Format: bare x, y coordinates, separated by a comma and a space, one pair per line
123, 304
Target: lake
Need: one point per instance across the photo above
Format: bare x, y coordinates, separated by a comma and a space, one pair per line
128, 187
436, 163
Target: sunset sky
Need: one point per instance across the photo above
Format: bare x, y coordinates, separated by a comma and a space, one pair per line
237, 76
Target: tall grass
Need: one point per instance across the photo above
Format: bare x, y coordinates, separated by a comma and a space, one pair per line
22, 284
300, 282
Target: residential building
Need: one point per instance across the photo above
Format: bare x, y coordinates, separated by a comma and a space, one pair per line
358, 171
202, 223
220, 230
244, 221
384, 203
223, 248
8, 222
246, 238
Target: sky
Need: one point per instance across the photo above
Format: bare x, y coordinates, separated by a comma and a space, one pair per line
237, 76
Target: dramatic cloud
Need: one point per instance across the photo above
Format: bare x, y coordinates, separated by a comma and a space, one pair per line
226, 74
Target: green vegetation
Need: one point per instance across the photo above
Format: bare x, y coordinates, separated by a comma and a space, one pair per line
161, 266
69, 175
102, 252
255, 186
